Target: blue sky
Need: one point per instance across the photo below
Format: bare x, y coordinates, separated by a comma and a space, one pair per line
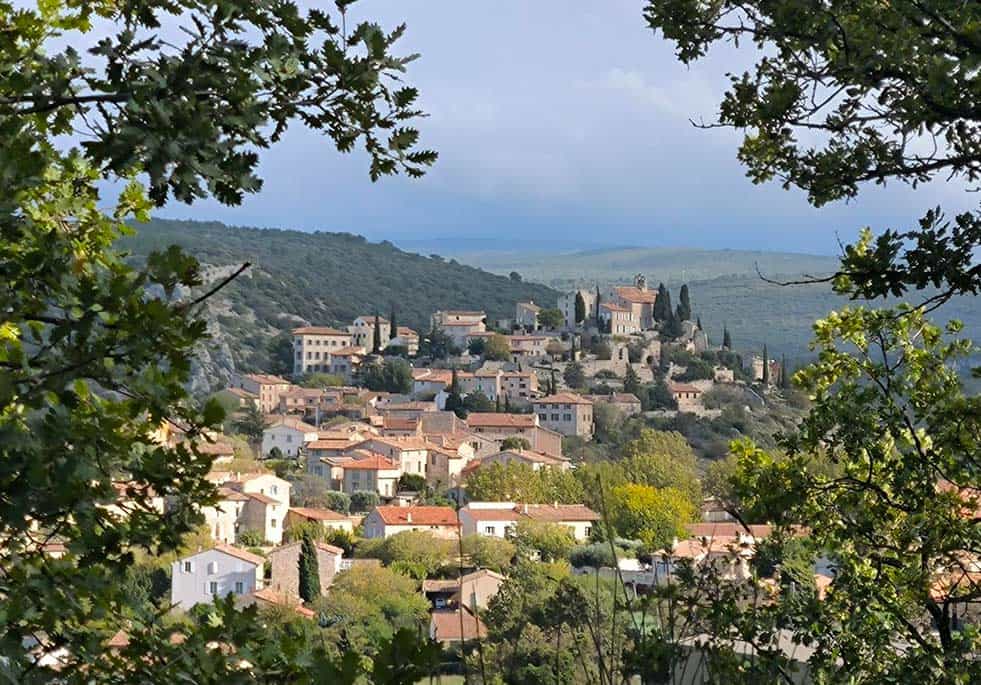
557, 119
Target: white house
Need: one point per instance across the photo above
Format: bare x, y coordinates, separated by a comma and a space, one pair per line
363, 332
251, 501
384, 521
499, 519
371, 471
289, 434
313, 345
199, 578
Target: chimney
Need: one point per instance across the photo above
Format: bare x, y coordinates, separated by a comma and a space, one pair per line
408, 516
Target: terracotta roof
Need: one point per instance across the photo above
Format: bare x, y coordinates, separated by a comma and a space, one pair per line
242, 392
318, 514
266, 379
347, 352
232, 495
292, 422
683, 387
407, 332
506, 512
446, 624
239, 553
303, 393
218, 449
319, 330
432, 585
532, 455
370, 318
558, 512
726, 529
407, 442
259, 497
374, 462
462, 312
613, 307
433, 375
320, 545
530, 305
633, 294
456, 324
270, 596
400, 423
494, 419
421, 515
332, 444
563, 398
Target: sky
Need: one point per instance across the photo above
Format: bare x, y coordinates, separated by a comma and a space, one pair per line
557, 120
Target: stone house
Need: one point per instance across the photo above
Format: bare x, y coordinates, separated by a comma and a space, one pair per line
407, 338
313, 345
326, 518
618, 320
567, 305
526, 315
363, 332
410, 452
639, 299
499, 519
535, 460
385, 521
626, 402
199, 578
371, 471
460, 325
265, 387
687, 396
285, 567
289, 434
566, 413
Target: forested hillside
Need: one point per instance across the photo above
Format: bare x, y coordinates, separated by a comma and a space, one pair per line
322, 278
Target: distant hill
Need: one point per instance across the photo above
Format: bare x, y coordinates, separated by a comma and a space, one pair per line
725, 287
323, 278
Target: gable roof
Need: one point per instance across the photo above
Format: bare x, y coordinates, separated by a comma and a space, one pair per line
292, 422
266, 379
318, 514
446, 624
370, 462
270, 596
726, 529
634, 294
563, 398
683, 387
494, 419
323, 546
319, 330
236, 552
559, 512
421, 515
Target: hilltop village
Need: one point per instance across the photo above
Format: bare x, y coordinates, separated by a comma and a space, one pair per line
391, 450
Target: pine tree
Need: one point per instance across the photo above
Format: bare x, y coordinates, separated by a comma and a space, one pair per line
631, 382
726, 340
394, 330
376, 343
766, 366
684, 304
580, 308
309, 582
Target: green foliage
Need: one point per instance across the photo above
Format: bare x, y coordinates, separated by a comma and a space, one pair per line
250, 537
545, 541
497, 348
476, 346
631, 382
364, 500
321, 380
436, 343
516, 482
595, 555
367, 605
250, 423
658, 396
515, 442
601, 349
655, 516
696, 369
684, 304
309, 570
551, 318
418, 549
412, 482
574, 376
477, 401
392, 375
485, 551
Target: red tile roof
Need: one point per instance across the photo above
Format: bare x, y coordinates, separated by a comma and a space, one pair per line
558, 512
318, 514
683, 387
447, 622
493, 419
270, 596
726, 529
372, 462
319, 330
632, 294
266, 379
239, 553
421, 515
563, 398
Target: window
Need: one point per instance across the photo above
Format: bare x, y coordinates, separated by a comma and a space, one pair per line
289, 438
543, 417
272, 523
489, 530
588, 529
212, 568
273, 489
212, 588
555, 417
567, 417
239, 587
188, 567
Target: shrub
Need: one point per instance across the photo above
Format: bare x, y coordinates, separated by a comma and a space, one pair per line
364, 500
250, 537
596, 555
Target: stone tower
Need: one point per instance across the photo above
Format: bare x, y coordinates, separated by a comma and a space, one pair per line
640, 280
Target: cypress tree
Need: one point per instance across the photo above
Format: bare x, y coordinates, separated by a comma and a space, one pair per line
597, 306
631, 382
394, 330
726, 340
784, 375
766, 366
507, 403
376, 344
580, 308
572, 350
659, 302
698, 322
497, 404
684, 304
309, 585
454, 402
